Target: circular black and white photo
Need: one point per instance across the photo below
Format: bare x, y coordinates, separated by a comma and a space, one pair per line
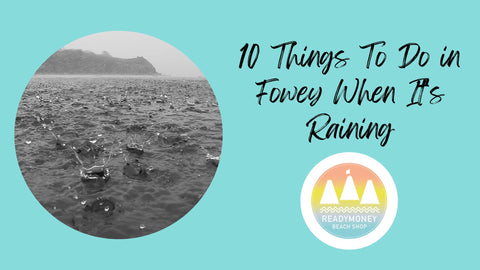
118, 135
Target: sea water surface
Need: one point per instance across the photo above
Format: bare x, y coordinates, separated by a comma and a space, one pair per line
159, 137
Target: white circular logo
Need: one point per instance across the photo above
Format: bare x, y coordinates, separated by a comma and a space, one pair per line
349, 200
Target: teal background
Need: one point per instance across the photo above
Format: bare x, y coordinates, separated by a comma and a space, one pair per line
250, 217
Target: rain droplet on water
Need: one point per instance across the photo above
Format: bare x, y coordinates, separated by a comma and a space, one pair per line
142, 226
28, 142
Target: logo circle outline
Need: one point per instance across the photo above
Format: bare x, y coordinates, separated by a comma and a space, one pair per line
316, 228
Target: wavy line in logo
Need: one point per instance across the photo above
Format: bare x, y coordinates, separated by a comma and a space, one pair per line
346, 209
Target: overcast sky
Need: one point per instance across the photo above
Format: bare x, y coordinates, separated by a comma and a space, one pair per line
165, 58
